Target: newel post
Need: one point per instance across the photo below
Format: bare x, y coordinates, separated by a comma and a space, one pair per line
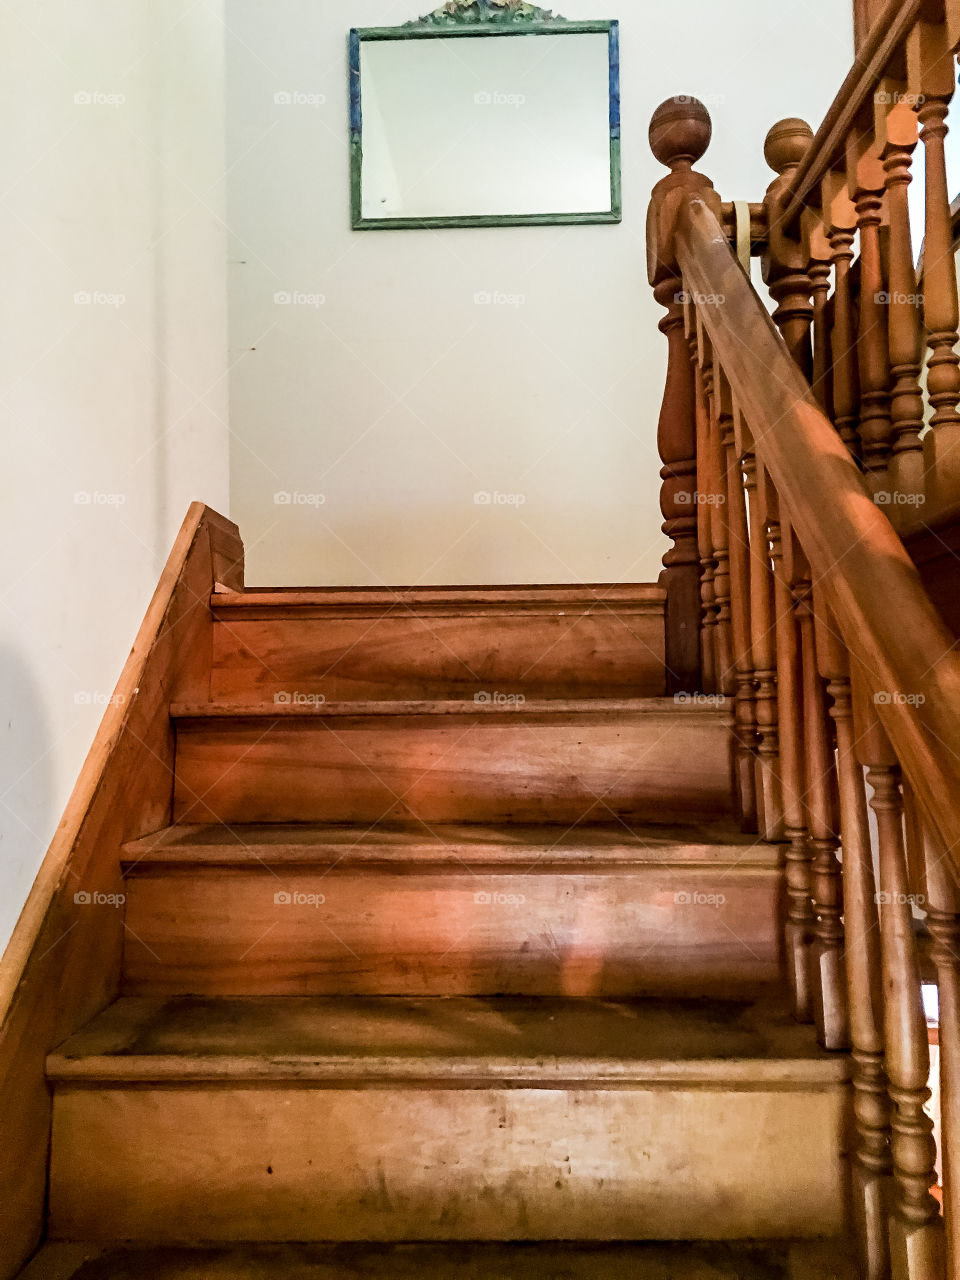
679, 135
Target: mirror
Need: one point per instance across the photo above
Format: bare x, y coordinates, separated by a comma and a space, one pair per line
485, 113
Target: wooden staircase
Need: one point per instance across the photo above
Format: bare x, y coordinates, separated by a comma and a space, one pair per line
452, 951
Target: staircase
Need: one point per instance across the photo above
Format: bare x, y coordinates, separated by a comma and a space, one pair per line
454, 950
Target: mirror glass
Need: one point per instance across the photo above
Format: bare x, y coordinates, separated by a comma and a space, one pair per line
485, 124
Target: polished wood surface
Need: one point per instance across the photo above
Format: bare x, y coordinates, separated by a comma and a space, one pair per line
440, 642
460, 910
63, 962
452, 762
390, 1119
829, 439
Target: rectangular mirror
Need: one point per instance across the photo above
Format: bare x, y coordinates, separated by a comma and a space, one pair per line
485, 113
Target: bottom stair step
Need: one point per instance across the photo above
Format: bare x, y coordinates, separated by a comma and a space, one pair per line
822, 1260
387, 1119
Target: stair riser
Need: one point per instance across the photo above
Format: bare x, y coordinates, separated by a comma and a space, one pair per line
615, 651
278, 1162
493, 768
663, 930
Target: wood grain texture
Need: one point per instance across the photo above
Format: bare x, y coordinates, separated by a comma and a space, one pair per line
440, 642
391, 1120
63, 962
453, 763
539, 911
856, 555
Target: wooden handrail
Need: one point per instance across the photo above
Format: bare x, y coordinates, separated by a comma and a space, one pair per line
886, 36
857, 559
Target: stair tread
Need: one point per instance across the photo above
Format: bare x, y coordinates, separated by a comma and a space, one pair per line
774, 1260
709, 706
471, 599
615, 843
533, 1040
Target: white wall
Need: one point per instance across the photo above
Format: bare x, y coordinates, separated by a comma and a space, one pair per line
398, 398
124, 403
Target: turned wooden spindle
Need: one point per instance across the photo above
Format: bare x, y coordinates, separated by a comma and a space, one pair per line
871, 1201
942, 906
916, 1229
931, 75
800, 919
701, 358
842, 222
866, 179
819, 269
679, 135
745, 707
677, 444
763, 648
784, 261
822, 819
897, 129
719, 420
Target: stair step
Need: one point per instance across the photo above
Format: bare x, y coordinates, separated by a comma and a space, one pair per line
787, 1260
563, 760
420, 642
393, 1119
314, 909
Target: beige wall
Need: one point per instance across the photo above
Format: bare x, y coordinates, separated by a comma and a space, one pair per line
113, 411
397, 399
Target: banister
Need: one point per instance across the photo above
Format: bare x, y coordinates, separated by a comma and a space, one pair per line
886, 36
857, 559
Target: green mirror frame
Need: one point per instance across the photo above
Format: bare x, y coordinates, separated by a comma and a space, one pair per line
472, 19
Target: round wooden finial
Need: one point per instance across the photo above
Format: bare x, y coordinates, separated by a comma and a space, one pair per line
786, 144
680, 131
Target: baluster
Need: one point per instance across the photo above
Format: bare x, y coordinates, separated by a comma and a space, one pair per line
820, 261
866, 179
677, 444
820, 807
745, 707
896, 130
799, 924
842, 221
762, 643
679, 135
871, 1105
931, 74
719, 420
784, 261
701, 357
943, 921
916, 1230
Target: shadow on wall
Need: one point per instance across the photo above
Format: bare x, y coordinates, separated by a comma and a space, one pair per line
26, 784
